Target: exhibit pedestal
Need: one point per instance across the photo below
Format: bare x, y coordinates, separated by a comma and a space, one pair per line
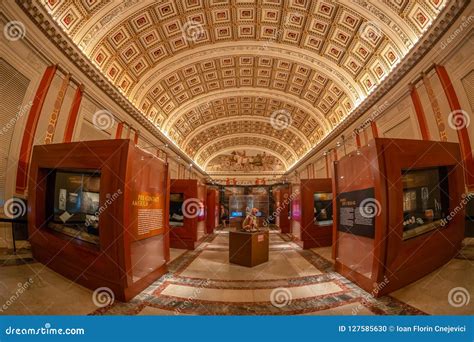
248, 249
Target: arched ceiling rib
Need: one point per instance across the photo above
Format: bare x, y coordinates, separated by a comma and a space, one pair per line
198, 115
318, 58
274, 99
205, 129
242, 127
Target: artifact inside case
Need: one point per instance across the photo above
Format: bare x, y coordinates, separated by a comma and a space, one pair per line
176, 209
323, 208
75, 208
425, 200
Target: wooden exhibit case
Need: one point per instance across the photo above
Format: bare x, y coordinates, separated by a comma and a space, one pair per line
394, 206
248, 248
212, 210
315, 212
281, 211
98, 214
295, 212
187, 215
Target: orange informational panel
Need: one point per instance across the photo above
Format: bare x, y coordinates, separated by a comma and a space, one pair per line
147, 220
149, 209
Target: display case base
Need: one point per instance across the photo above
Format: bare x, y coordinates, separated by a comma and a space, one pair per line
248, 249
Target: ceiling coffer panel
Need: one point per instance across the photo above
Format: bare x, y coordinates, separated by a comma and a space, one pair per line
199, 69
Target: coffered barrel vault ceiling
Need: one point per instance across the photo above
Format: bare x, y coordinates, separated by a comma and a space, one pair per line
274, 76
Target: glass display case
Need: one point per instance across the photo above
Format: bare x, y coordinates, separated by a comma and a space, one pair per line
323, 208
425, 200
312, 213
176, 210
100, 219
398, 211
241, 205
74, 208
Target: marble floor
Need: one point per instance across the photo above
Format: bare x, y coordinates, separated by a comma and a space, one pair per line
202, 282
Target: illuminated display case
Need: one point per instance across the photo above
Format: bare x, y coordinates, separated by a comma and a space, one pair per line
176, 209
187, 213
312, 212
75, 208
241, 205
425, 200
392, 201
322, 208
99, 215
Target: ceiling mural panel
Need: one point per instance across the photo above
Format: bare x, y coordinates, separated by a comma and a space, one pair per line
245, 160
263, 143
287, 71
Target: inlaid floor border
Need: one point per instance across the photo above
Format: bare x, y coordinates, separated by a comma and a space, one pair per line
350, 294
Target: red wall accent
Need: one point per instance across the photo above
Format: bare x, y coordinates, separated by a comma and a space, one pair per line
357, 140
212, 206
118, 132
30, 129
282, 208
375, 131
72, 118
463, 135
420, 114
327, 165
135, 137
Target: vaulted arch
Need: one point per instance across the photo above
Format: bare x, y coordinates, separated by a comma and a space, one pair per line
181, 62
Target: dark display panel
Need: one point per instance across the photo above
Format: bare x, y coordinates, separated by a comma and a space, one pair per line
425, 200
75, 208
356, 212
176, 209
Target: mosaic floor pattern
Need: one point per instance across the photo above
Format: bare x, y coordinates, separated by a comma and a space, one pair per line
293, 281
202, 282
